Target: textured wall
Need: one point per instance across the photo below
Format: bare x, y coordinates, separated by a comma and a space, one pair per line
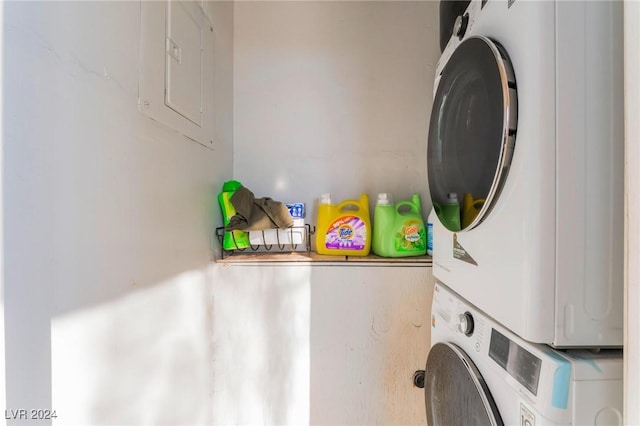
107, 219
317, 344
333, 96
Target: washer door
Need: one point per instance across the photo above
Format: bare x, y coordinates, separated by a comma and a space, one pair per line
455, 392
471, 132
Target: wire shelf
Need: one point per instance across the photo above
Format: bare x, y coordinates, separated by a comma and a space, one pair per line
295, 238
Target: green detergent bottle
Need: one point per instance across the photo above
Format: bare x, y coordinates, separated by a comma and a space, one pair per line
232, 240
398, 228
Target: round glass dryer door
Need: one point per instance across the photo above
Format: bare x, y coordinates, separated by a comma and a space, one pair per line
455, 392
471, 133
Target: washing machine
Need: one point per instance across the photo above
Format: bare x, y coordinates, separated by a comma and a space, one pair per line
525, 168
480, 373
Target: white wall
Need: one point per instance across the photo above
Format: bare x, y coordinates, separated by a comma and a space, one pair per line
328, 97
107, 222
3, 382
333, 97
370, 332
262, 345
322, 345
632, 214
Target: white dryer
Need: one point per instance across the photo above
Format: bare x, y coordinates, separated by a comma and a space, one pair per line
479, 373
527, 129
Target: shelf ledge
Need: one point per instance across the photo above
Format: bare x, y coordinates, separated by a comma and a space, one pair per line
315, 258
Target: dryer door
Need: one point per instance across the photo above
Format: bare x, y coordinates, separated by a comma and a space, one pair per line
455, 392
471, 132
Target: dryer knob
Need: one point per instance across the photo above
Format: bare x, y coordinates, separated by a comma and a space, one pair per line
465, 323
460, 26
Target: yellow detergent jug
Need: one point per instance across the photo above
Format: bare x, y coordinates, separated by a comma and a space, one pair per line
343, 229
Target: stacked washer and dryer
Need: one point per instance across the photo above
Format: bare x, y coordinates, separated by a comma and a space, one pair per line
527, 128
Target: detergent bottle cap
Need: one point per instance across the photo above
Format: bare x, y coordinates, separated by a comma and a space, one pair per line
452, 197
384, 199
325, 198
231, 185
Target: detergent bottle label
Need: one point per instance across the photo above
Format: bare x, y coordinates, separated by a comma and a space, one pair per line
411, 237
346, 233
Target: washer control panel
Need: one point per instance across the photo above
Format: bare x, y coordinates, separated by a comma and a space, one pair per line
458, 316
521, 364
